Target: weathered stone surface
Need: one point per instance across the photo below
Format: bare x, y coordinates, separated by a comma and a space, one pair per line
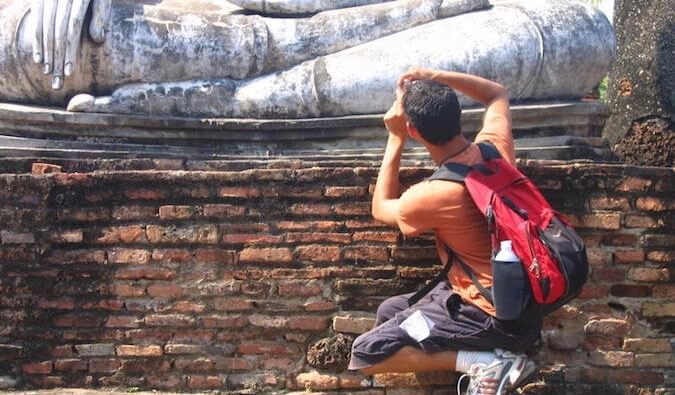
642, 82
331, 352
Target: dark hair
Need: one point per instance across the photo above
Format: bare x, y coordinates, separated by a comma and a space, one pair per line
433, 109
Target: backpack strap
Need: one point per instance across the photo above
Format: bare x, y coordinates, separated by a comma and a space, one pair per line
488, 150
443, 275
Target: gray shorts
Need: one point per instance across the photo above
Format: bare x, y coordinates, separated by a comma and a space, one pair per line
457, 326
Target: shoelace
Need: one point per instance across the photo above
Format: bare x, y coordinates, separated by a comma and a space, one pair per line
459, 382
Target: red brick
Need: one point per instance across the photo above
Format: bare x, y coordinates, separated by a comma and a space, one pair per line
315, 237
610, 221
46, 381
75, 256
414, 254
98, 196
127, 213
199, 336
171, 255
251, 238
366, 253
628, 256
65, 236
282, 364
641, 221
128, 255
187, 307
238, 192
128, 350
104, 365
630, 291
386, 237
658, 309
648, 345
308, 323
230, 364
215, 321
266, 348
305, 193
591, 291
109, 305
654, 204
76, 321
309, 225
144, 366
193, 234
310, 209
11, 237
178, 212
320, 305
194, 365
634, 184
609, 327
122, 234
363, 224
228, 304
648, 274
609, 203
639, 377
266, 321
63, 351
318, 253
661, 256
299, 288
144, 194
315, 381
608, 274
169, 320
38, 168
122, 322
128, 290
83, 214
61, 304
70, 365
223, 211
203, 382
345, 192
145, 273
612, 358
663, 291
214, 255
37, 367
169, 291
352, 209
655, 360
266, 255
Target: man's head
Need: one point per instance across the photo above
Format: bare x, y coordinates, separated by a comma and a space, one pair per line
433, 110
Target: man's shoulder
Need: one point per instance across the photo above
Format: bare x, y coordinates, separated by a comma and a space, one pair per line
433, 193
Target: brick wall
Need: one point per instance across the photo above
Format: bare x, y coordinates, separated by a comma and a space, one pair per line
255, 276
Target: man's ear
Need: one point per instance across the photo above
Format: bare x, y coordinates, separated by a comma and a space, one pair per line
412, 130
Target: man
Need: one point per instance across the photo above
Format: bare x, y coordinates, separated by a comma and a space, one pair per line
453, 327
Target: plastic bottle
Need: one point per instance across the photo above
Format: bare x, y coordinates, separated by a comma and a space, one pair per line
510, 290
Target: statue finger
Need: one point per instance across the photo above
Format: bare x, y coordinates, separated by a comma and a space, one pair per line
36, 10
60, 31
74, 34
48, 19
99, 20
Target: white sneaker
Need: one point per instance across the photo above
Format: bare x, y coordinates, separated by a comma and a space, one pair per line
505, 373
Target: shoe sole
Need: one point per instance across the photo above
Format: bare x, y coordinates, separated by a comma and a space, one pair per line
521, 370
528, 372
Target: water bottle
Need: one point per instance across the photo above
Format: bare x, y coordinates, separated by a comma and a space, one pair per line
510, 290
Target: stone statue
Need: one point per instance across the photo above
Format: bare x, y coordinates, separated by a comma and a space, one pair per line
214, 60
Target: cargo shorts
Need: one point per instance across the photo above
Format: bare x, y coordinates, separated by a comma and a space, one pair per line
457, 325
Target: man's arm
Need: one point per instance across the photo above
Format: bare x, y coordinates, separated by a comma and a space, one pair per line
385, 206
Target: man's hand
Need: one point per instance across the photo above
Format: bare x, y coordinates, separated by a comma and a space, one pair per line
415, 73
57, 32
394, 119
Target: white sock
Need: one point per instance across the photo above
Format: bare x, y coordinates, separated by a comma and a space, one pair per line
467, 358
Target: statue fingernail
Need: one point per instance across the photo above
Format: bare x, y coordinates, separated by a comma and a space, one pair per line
37, 57
48, 68
68, 70
57, 82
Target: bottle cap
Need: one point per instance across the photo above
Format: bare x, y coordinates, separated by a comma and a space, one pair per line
506, 245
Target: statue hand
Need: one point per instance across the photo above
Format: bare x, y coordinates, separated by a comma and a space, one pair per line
57, 31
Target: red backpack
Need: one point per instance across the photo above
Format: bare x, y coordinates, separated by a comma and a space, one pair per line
553, 264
